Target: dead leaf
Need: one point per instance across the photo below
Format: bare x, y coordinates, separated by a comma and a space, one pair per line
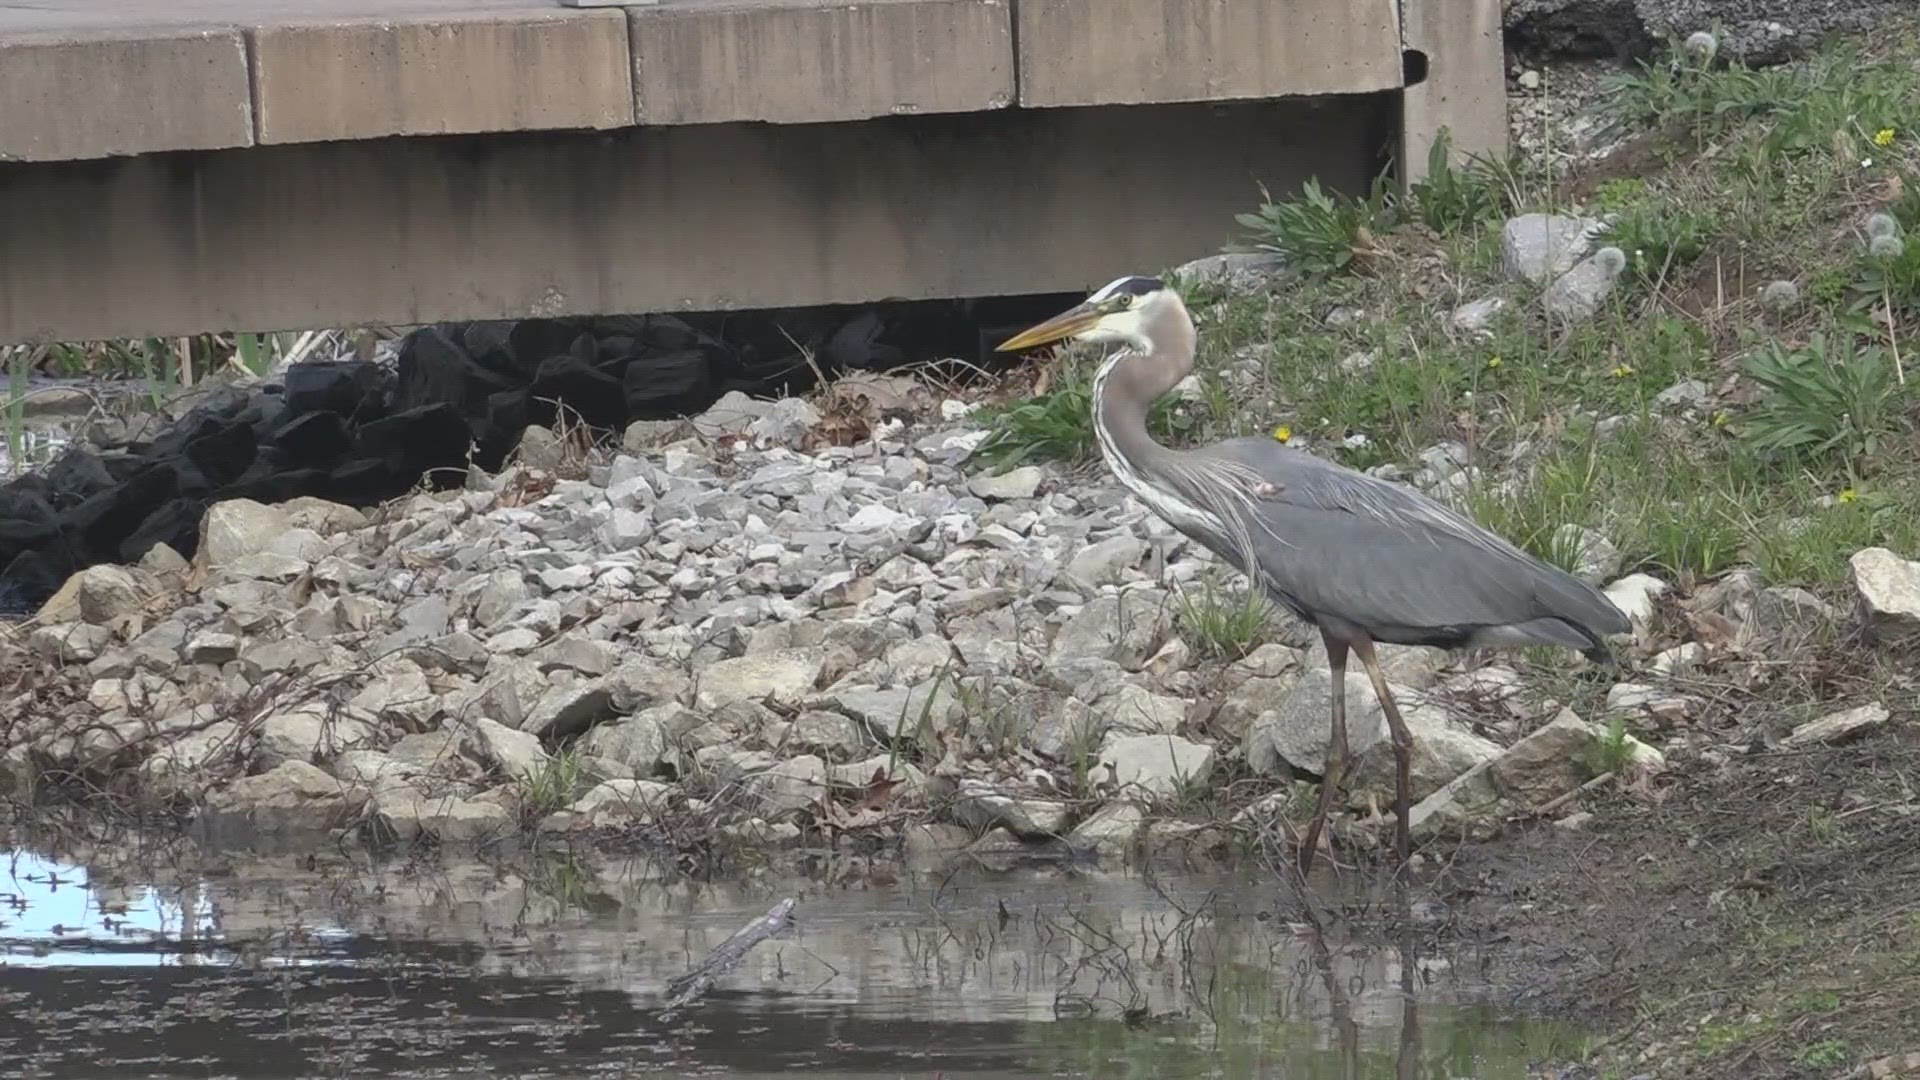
878, 791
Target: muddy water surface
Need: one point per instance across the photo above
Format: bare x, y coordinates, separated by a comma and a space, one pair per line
127, 963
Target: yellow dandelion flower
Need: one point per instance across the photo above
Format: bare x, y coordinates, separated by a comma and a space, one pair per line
1622, 371
1883, 137
1283, 433
1493, 362
1847, 495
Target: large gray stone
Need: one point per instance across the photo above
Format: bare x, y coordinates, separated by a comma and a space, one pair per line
642, 684
1019, 483
436, 753
69, 643
1108, 562
407, 814
1299, 731
1888, 594
733, 414
784, 678
292, 797
1235, 271
1578, 295
1442, 750
638, 742
1538, 248
1539, 768
895, 712
1111, 830
399, 694
290, 656
323, 517
369, 772
787, 422
499, 595
108, 592
189, 764
308, 731
1153, 767
212, 647
569, 708
789, 787
982, 805
514, 753
269, 566
1129, 709
1126, 628
611, 803
237, 528
827, 733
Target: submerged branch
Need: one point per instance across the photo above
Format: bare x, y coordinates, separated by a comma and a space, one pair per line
685, 989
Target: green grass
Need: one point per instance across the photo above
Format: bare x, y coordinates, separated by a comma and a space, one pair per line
166, 363
1825, 1054
1610, 752
1058, 425
1453, 199
1661, 241
1833, 404
1223, 624
1807, 449
1320, 232
554, 786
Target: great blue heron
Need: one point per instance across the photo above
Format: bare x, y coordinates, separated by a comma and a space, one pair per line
1359, 558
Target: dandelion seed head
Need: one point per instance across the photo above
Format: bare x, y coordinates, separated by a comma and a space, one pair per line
1780, 294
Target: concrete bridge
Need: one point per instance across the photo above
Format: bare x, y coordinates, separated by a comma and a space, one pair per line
178, 166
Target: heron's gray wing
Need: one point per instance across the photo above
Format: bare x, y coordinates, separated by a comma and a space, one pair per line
1390, 560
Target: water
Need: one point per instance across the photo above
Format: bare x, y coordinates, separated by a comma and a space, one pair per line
263, 966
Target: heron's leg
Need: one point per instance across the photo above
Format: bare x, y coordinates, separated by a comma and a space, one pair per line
1402, 748
1336, 765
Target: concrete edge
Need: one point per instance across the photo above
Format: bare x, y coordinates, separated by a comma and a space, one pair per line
1127, 52
841, 61
316, 82
66, 98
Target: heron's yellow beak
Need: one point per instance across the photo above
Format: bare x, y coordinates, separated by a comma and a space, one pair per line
1077, 320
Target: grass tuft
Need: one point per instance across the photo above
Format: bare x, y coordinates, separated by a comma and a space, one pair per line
1224, 624
1320, 232
554, 786
1830, 404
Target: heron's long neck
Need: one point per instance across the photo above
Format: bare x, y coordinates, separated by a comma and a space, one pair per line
1123, 394
1130, 382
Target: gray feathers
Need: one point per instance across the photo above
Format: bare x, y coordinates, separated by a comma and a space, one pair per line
1331, 543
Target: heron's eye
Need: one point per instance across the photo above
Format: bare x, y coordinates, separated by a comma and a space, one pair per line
1123, 301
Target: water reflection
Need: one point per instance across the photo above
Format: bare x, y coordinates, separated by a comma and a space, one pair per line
557, 966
